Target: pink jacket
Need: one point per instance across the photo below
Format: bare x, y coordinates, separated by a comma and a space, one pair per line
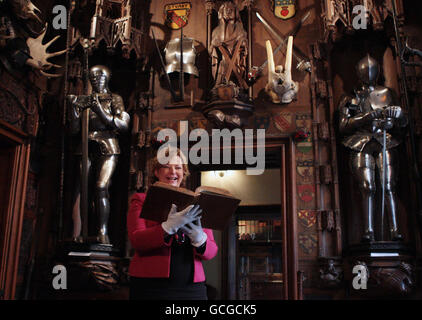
152, 254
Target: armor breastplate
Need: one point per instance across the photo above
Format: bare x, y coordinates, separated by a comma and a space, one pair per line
378, 98
370, 100
172, 51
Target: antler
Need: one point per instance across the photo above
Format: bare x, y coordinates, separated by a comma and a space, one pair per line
270, 59
288, 64
39, 54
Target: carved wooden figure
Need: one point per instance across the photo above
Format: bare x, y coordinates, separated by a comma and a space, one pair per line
229, 46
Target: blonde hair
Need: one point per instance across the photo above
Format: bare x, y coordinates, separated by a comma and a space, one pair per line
157, 165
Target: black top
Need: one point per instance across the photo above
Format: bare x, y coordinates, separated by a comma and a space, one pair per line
179, 285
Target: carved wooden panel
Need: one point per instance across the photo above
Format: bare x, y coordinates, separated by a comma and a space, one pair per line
13, 205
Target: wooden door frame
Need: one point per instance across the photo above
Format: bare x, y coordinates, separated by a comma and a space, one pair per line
288, 197
289, 214
13, 215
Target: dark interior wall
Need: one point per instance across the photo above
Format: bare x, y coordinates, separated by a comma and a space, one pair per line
413, 32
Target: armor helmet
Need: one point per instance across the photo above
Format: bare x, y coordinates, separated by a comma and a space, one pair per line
99, 77
368, 70
172, 51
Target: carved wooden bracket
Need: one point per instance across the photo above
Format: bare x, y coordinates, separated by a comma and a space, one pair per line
330, 273
398, 281
389, 278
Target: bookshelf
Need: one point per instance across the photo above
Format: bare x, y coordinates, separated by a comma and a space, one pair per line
259, 251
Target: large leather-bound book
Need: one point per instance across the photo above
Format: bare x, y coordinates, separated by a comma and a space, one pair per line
217, 204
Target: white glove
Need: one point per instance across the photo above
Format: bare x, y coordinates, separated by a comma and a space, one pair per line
195, 232
177, 219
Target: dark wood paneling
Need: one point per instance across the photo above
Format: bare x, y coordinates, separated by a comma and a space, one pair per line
12, 205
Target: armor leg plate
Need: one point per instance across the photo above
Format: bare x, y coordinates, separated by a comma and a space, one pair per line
362, 166
106, 165
390, 189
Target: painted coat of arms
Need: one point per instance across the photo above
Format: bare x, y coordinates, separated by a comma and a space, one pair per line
306, 192
283, 121
284, 9
308, 242
177, 14
305, 171
307, 218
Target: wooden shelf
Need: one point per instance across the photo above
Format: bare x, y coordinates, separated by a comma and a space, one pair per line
260, 242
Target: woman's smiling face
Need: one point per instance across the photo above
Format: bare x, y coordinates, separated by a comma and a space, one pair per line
171, 173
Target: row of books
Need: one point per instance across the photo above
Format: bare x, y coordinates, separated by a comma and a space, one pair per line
268, 229
250, 264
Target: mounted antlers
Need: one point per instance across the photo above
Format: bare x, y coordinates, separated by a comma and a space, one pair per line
39, 54
25, 9
280, 87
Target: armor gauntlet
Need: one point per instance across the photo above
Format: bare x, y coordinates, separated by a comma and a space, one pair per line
119, 119
399, 116
349, 123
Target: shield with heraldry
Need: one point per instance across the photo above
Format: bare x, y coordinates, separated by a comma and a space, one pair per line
284, 9
283, 121
307, 218
177, 14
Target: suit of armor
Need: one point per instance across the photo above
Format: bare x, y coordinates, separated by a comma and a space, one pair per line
363, 119
107, 117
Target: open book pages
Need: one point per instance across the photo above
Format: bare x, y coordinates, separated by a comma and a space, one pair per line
217, 204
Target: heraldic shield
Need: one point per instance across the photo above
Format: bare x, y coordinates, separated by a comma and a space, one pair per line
284, 9
177, 14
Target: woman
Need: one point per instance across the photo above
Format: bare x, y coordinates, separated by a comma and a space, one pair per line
167, 260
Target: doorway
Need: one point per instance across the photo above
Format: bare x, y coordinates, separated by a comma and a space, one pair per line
257, 256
